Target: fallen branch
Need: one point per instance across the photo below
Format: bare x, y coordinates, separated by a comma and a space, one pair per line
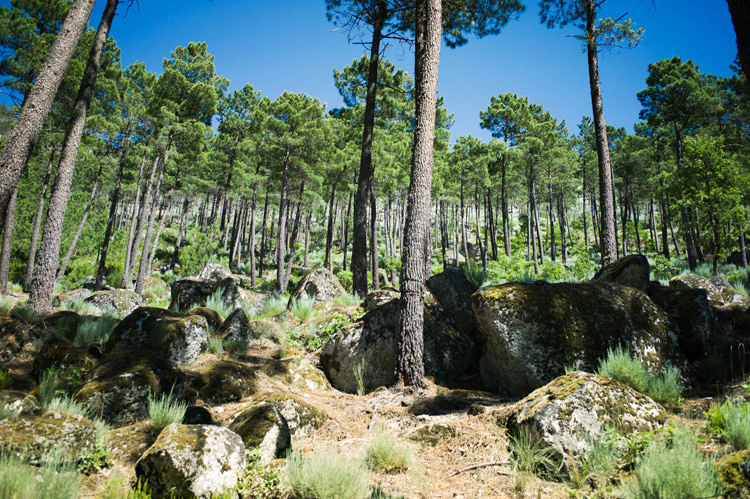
480, 465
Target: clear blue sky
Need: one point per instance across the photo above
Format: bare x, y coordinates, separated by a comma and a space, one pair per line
289, 45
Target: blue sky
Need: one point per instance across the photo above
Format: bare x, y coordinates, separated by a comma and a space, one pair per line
289, 45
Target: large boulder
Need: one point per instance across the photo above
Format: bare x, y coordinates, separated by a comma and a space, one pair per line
297, 373
302, 417
43, 435
261, 424
193, 461
319, 285
178, 338
719, 291
570, 413
70, 363
213, 272
118, 388
532, 331
227, 381
690, 313
453, 290
633, 271
118, 302
370, 345
14, 402
190, 293
69, 297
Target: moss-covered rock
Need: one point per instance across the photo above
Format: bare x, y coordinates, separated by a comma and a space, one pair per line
532, 331
176, 337
190, 293
14, 402
379, 297
70, 296
214, 272
720, 293
117, 389
297, 372
689, 311
213, 319
734, 473
301, 417
236, 328
118, 302
44, 435
570, 413
261, 424
128, 443
319, 285
193, 461
71, 363
633, 271
370, 344
64, 323
227, 381
431, 433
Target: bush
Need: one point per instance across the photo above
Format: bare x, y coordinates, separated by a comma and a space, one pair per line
530, 455
666, 387
506, 269
273, 305
216, 345
663, 269
348, 300
303, 308
602, 459
731, 420
345, 278
475, 273
92, 330
620, 365
553, 271
216, 302
23, 313
384, 456
53, 480
165, 410
261, 481
326, 474
675, 469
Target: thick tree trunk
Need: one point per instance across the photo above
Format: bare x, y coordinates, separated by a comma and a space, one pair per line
37, 225
366, 170
374, 269
112, 211
136, 223
42, 281
414, 273
81, 225
21, 139
607, 236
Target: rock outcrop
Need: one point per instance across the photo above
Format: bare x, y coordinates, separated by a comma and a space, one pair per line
191, 293
719, 291
633, 271
319, 285
118, 302
262, 425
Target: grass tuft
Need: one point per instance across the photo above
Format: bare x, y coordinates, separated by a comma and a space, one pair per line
216, 302
303, 309
620, 365
385, 456
94, 330
530, 455
53, 480
165, 410
327, 474
348, 300
216, 345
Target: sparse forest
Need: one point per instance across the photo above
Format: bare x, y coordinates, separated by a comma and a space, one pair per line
136, 178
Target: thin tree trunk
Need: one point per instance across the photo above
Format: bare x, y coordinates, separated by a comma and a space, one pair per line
136, 223
251, 243
178, 243
42, 281
345, 239
306, 260
374, 239
22, 138
327, 261
283, 209
37, 225
414, 273
504, 203
743, 246
112, 211
263, 235
81, 225
10, 216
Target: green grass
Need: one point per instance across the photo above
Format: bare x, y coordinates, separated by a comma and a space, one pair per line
53, 480
327, 474
348, 300
667, 386
273, 305
82, 307
63, 403
23, 312
216, 345
303, 309
620, 365
530, 455
6, 304
601, 461
731, 420
383, 455
216, 302
94, 330
47, 387
672, 469
165, 410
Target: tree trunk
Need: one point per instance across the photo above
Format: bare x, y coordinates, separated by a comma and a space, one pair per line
345, 239
136, 224
607, 237
293, 238
178, 243
251, 243
263, 235
374, 238
20, 141
10, 216
37, 225
366, 170
306, 260
42, 281
281, 240
81, 225
740, 11
327, 261
743, 247
409, 355
112, 211
563, 223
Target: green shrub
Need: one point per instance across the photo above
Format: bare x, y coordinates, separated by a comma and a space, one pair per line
346, 279
261, 481
303, 308
55, 479
663, 269
383, 455
348, 299
530, 455
667, 386
601, 461
273, 305
81, 307
165, 410
506, 269
731, 420
5, 378
94, 330
216, 345
620, 365
216, 302
672, 469
474, 273
6, 304
553, 271
23, 313
326, 474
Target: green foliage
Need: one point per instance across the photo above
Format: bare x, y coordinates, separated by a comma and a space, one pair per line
260, 481
94, 330
216, 344
731, 420
6, 304
620, 365
662, 268
303, 308
359, 375
64, 403
165, 410
55, 479
94, 461
217, 303
5, 378
47, 387
475, 273
273, 305
530, 455
507, 269
553, 271
601, 461
23, 313
314, 336
348, 300
82, 307
327, 474
383, 454
672, 469
345, 279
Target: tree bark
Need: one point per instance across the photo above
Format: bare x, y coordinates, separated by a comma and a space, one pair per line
136, 224
178, 243
327, 261
42, 281
263, 235
414, 272
10, 216
37, 225
22, 138
281, 240
374, 239
740, 10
